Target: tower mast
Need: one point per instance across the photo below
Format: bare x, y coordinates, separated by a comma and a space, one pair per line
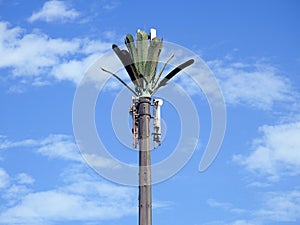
141, 61
145, 195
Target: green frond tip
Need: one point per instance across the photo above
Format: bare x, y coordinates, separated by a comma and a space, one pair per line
154, 51
129, 41
142, 50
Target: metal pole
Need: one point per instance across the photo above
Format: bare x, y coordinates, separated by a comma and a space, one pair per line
145, 198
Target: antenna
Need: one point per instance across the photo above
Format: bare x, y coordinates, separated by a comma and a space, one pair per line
134, 116
152, 33
157, 103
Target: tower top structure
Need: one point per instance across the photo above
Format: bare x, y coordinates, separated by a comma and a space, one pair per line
141, 63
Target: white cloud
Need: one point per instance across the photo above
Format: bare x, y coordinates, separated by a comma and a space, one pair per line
257, 85
224, 206
57, 205
242, 222
54, 11
273, 206
188, 84
54, 146
110, 35
276, 153
15, 89
39, 59
31, 54
4, 178
14, 193
100, 162
24, 178
236, 222
281, 206
5, 143
13, 187
59, 146
259, 184
73, 70
82, 197
110, 5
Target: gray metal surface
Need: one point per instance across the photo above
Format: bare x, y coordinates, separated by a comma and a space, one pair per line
145, 198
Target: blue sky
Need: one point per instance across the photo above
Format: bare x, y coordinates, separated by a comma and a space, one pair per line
250, 46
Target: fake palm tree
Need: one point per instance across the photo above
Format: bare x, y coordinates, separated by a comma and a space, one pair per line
141, 62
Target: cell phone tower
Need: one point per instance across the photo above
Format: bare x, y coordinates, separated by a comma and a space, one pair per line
140, 60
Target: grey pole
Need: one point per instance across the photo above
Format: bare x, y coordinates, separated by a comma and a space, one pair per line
145, 199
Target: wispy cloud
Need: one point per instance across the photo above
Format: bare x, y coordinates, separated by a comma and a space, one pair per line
97, 161
243, 222
55, 146
54, 11
276, 153
59, 146
281, 206
4, 178
24, 178
110, 5
225, 206
87, 199
14, 187
235, 222
6, 144
258, 85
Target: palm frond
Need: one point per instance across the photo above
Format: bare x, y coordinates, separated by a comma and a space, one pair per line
170, 75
